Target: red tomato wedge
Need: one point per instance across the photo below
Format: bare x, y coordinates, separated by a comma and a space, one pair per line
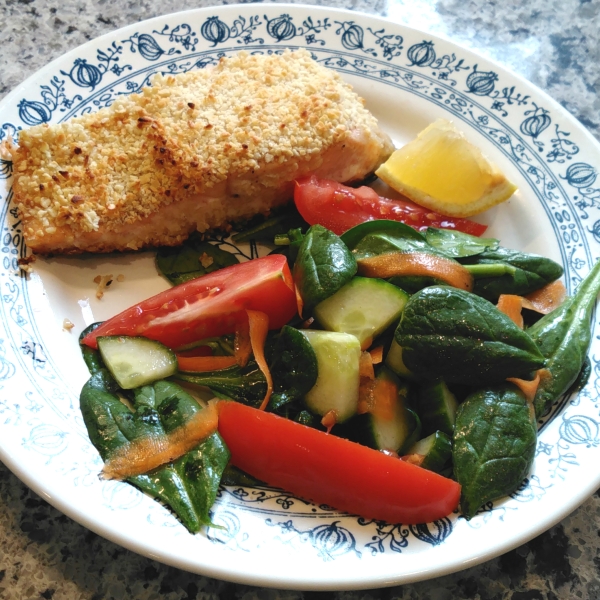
330, 470
339, 208
212, 305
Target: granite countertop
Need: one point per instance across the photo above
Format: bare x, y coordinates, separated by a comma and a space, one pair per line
44, 554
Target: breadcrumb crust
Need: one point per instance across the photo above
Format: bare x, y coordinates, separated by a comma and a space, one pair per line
214, 144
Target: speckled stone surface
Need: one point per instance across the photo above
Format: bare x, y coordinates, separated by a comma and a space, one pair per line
43, 554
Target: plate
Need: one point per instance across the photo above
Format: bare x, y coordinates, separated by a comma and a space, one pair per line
270, 538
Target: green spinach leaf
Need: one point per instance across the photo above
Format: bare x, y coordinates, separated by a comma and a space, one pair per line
293, 365
243, 384
456, 244
563, 337
192, 259
505, 271
456, 336
493, 446
323, 266
266, 229
188, 485
391, 229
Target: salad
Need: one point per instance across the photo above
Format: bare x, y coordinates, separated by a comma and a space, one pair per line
377, 367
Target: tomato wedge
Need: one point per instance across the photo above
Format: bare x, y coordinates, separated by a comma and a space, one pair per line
212, 305
327, 469
339, 208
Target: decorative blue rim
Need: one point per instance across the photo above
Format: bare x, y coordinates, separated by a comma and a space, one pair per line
535, 138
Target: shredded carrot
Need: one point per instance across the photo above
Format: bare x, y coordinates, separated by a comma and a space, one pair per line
366, 391
329, 420
299, 301
365, 365
201, 364
547, 298
385, 397
419, 264
259, 327
242, 346
511, 305
529, 387
377, 355
413, 459
148, 453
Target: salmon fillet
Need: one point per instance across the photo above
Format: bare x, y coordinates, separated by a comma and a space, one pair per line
192, 151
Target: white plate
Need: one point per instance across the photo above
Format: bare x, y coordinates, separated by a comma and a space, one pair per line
408, 78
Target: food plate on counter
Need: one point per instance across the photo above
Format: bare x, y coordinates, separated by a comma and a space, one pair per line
266, 536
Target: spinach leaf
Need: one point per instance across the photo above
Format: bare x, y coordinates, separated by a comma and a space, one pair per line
456, 336
563, 337
493, 446
293, 365
188, 485
192, 259
243, 384
267, 229
323, 265
381, 237
456, 244
505, 271
391, 229
289, 244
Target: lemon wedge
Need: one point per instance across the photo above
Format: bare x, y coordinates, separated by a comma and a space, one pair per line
443, 171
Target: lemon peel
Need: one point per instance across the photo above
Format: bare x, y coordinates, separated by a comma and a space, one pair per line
443, 171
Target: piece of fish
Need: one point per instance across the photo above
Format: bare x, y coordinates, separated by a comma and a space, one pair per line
193, 151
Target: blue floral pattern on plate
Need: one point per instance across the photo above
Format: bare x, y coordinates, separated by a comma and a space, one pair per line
544, 146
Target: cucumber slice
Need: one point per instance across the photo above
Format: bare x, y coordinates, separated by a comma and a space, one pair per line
435, 450
436, 406
383, 433
136, 361
394, 361
364, 307
338, 357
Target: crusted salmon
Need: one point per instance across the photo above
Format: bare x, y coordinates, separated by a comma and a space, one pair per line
192, 151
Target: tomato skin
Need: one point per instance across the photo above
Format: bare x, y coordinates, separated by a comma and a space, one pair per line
209, 306
339, 208
330, 470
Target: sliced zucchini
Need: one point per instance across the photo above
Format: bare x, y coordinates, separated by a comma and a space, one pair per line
338, 357
364, 307
136, 361
394, 428
434, 451
437, 407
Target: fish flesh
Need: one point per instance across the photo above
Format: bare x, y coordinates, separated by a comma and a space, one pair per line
191, 151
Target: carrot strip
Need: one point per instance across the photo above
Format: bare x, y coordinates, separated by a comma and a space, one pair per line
242, 345
419, 264
378, 397
299, 301
147, 453
366, 391
385, 397
329, 420
365, 366
259, 327
377, 355
529, 387
201, 364
547, 298
511, 305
